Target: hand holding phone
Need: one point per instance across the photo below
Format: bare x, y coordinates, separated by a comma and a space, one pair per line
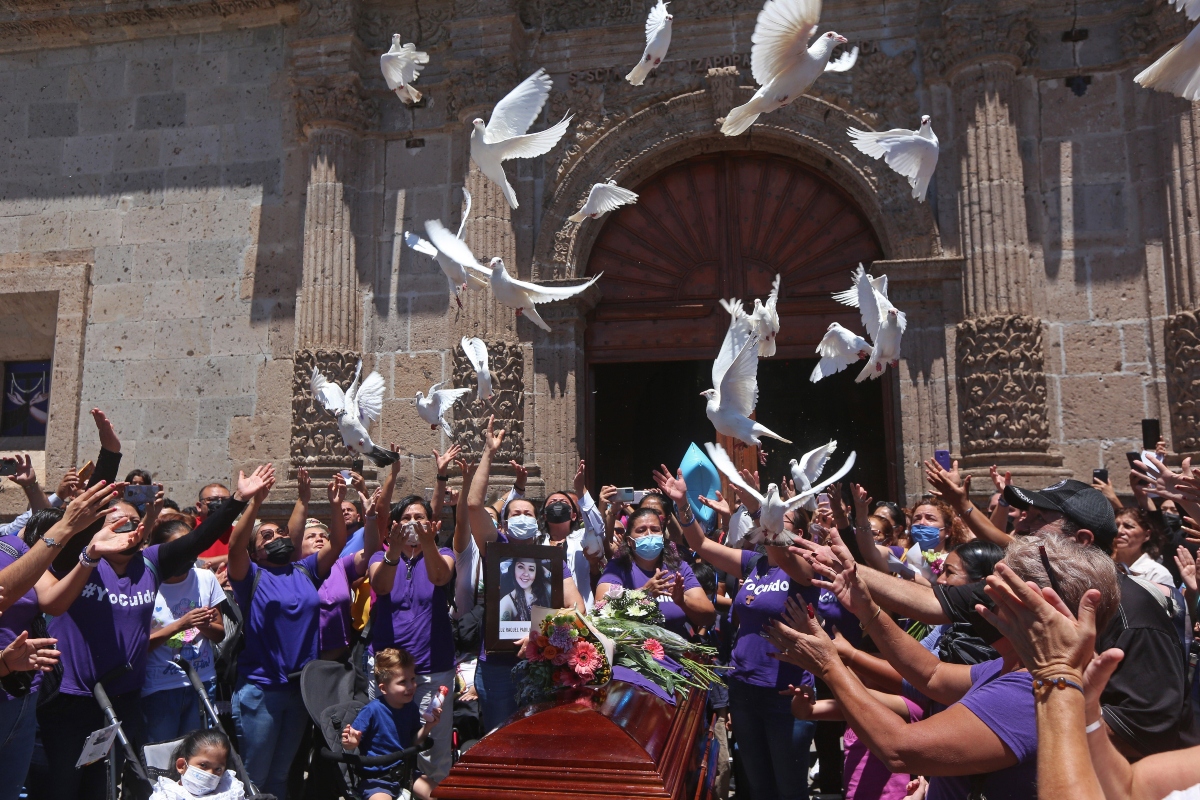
1100, 475
942, 457
8, 466
139, 495
625, 494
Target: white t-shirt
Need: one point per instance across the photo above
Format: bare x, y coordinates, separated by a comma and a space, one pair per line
1151, 570
581, 568
198, 589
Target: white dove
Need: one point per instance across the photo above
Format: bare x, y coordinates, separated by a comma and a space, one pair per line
358, 407
524, 296
764, 320
1177, 71
505, 136
806, 471
433, 408
781, 64
658, 39
401, 65
603, 198
913, 154
839, 348
461, 276
770, 523
883, 321
734, 395
477, 354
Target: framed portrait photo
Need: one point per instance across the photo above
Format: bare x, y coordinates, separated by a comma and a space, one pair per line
519, 577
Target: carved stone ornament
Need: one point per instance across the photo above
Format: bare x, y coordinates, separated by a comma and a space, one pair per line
479, 86
471, 415
550, 15
1183, 379
1002, 385
1152, 29
326, 17
316, 443
377, 24
974, 33
887, 88
43, 20
338, 101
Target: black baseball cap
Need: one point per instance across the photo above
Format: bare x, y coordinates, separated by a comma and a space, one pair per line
1083, 505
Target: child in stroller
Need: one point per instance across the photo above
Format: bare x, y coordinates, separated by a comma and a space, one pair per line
200, 759
388, 724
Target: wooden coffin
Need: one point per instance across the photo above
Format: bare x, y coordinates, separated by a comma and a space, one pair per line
618, 742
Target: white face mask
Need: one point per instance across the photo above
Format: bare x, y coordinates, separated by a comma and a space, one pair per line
199, 782
411, 538
521, 526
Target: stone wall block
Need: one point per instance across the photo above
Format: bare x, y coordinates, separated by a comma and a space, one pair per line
182, 338
1102, 406
153, 378
173, 419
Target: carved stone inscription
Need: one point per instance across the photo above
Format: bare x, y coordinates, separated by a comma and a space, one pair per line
507, 366
316, 443
1002, 385
1183, 379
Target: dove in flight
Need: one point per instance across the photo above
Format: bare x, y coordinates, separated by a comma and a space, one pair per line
658, 39
734, 395
401, 65
1178, 70
477, 354
434, 407
764, 320
358, 407
839, 348
770, 525
810, 466
883, 321
603, 198
504, 137
463, 274
781, 64
913, 154
524, 296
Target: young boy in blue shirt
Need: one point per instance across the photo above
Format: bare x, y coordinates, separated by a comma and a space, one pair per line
389, 723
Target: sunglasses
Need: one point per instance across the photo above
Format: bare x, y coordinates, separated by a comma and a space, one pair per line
1049, 570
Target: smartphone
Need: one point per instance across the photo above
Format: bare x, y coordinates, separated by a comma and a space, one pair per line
942, 457
140, 495
85, 472
637, 496
345, 476
625, 494
1102, 474
823, 499
1151, 433
8, 466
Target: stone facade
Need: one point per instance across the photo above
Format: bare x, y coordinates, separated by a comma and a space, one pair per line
212, 194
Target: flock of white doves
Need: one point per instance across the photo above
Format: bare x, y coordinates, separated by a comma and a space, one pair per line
784, 65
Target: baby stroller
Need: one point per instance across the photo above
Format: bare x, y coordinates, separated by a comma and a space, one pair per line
333, 694
156, 760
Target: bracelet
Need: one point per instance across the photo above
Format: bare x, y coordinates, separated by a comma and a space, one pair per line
878, 609
443, 477
390, 563
1095, 726
51, 542
970, 508
754, 515
1042, 687
691, 517
86, 560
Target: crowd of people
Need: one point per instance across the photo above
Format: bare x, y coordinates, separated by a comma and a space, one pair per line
1040, 645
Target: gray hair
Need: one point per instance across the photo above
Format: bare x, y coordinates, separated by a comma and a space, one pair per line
1077, 568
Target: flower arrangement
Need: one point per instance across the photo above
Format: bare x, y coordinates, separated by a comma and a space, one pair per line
631, 604
935, 560
562, 653
659, 654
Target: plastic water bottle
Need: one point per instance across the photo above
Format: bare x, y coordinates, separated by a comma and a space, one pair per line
436, 702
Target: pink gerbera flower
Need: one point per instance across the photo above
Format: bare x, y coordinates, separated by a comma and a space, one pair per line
655, 649
585, 655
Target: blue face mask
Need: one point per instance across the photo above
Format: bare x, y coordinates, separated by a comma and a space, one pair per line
648, 547
521, 526
926, 536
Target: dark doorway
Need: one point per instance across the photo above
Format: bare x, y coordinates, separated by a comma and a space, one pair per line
647, 413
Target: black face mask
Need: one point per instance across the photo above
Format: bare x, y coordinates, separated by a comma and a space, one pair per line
279, 551
558, 511
1174, 522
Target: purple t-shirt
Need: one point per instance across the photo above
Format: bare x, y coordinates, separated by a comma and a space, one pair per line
18, 616
1005, 704
281, 626
834, 615
415, 615
336, 597
632, 576
760, 599
107, 626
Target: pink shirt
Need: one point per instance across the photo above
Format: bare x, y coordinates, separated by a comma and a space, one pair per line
867, 778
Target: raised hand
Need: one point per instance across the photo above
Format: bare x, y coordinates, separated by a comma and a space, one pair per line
337, 492
303, 486
108, 435
107, 542
25, 476
947, 484
522, 475
1187, 567
997, 480
88, 507
720, 505
607, 502
800, 640
674, 488
261, 480
447, 459
491, 441
862, 502
849, 588
1191, 530
580, 485
787, 489
378, 504
69, 486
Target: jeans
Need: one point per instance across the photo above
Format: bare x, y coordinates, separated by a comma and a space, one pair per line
436, 762
173, 713
66, 722
270, 724
18, 718
771, 743
497, 695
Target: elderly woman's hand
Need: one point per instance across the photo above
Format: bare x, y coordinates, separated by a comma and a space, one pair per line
801, 640
674, 488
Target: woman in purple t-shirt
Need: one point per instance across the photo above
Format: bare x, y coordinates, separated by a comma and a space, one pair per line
411, 581
772, 743
278, 599
647, 564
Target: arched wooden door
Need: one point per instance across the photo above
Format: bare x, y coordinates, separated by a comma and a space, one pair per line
723, 225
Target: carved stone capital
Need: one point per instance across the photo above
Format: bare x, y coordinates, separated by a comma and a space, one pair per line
316, 442
335, 102
1152, 29
886, 87
977, 33
326, 18
1002, 385
722, 88
506, 361
1183, 379
475, 87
